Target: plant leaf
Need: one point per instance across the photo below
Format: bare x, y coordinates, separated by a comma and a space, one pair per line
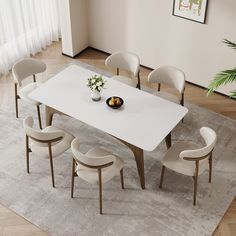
223, 78
233, 94
229, 43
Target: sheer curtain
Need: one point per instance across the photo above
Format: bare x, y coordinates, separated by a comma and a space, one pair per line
26, 27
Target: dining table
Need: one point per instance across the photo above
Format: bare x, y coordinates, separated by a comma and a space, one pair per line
142, 122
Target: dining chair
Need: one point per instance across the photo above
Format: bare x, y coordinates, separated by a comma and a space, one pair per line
48, 143
125, 61
21, 70
97, 166
189, 159
171, 76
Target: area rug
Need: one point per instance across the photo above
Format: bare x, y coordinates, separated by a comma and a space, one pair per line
131, 211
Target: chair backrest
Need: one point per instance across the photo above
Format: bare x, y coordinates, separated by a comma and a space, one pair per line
27, 67
90, 161
125, 61
169, 75
40, 137
209, 136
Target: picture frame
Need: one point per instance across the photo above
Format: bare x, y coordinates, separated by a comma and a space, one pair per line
194, 10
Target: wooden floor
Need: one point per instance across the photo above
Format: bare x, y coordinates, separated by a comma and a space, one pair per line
12, 224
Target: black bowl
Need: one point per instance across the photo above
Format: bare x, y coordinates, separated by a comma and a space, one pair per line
115, 105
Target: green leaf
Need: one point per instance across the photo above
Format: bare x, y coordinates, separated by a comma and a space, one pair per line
229, 43
233, 94
223, 78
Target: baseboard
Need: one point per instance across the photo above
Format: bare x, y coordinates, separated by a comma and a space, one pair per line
202, 87
73, 57
149, 68
99, 50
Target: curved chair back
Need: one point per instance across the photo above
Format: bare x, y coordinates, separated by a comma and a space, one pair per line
209, 136
89, 161
169, 75
27, 67
125, 61
42, 138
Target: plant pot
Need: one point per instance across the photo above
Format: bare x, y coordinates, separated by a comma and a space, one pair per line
95, 95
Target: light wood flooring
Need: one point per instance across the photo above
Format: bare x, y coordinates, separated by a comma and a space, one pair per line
13, 224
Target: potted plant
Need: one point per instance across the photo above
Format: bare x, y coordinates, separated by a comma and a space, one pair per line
224, 77
96, 84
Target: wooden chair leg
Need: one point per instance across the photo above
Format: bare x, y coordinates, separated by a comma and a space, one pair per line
51, 164
195, 183
162, 176
195, 190
27, 153
122, 179
139, 81
100, 189
72, 178
39, 116
210, 168
16, 101
182, 103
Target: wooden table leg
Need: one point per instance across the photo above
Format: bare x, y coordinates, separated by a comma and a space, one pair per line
49, 115
138, 154
168, 140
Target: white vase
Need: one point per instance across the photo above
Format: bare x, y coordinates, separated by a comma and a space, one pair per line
95, 95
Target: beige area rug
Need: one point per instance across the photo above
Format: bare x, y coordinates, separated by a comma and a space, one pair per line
126, 212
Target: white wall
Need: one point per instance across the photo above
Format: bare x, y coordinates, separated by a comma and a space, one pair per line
65, 21
79, 25
148, 28
74, 27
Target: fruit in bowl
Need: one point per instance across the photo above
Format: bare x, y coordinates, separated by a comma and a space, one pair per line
115, 102
112, 101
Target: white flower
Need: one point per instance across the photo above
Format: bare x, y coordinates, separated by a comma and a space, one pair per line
96, 82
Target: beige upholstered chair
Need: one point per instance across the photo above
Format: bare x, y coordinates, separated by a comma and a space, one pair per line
125, 61
48, 143
97, 166
21, 70
188, 159
172, 77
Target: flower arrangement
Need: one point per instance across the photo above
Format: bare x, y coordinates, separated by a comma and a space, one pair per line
96, 82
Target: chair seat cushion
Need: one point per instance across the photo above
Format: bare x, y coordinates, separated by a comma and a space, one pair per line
125, 80
91, 175
26, 90
57, 147
172, 160
167, 96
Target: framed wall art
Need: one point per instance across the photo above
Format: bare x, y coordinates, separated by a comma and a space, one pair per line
194, 10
